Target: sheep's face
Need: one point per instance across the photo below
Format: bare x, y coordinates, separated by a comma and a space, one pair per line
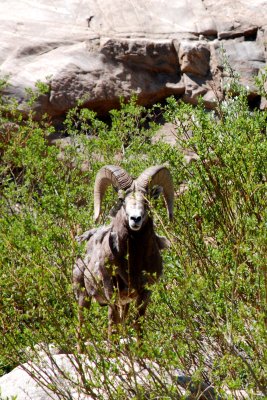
135, 209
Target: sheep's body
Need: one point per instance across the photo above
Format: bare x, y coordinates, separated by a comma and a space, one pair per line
118, 265
123, 259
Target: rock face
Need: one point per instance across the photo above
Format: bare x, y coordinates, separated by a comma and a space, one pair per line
99, 50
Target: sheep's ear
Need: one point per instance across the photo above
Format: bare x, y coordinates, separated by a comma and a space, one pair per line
163, 242
118, 204
121, 194
86, 235
156, 191
115, 208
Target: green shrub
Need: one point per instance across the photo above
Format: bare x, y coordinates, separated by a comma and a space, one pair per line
208, 313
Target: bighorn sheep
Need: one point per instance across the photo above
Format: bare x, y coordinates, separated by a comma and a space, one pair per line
122, 259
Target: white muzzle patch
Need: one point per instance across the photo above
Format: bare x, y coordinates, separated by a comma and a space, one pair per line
135, 210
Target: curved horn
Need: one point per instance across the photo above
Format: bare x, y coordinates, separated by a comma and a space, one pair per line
158, 175
109, 175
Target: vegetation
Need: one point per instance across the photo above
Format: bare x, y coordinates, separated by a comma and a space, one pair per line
208, 313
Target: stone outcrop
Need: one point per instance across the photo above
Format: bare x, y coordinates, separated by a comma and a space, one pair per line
99, 50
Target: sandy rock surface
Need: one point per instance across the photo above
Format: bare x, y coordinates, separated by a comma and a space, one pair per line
98, 50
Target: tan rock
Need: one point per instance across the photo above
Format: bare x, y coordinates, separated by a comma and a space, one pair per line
194, 58
63, 376
245, 57
100, 50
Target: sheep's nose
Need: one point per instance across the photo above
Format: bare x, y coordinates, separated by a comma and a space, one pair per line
136, 219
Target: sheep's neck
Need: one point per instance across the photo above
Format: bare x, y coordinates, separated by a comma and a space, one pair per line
137, 252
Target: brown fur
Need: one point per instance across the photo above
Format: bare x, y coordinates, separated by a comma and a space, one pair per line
118, 265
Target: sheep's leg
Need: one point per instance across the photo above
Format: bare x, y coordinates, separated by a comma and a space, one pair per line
141, 305
113, 319
79, 329
123, 312
81, 305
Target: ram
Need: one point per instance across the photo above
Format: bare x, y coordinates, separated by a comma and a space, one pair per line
123, 259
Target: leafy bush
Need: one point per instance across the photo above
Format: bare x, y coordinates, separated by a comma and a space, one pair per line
208, 313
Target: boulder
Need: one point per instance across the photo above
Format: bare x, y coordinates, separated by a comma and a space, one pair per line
52, 373
245, 57
68, 376
96, 51
53, 377
194, 58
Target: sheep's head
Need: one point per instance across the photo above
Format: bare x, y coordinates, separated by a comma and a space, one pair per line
135, 207
133, 193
